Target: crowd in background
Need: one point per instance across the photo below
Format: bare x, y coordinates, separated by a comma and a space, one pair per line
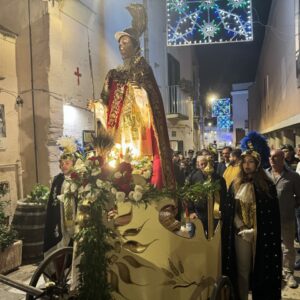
261, 213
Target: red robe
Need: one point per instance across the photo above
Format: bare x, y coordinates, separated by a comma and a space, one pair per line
155, 136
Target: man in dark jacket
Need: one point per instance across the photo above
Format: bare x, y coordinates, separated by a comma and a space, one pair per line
199, 175
225, 160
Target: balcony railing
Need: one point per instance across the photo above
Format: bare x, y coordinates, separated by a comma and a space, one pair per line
177, 103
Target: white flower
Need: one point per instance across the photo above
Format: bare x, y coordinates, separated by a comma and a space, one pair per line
137, 196
87, 162
117, 175
136, 171
80, 166
91, 197
81, 190
138, 188
120, 196
87, 188
107, 186
147, 174
67, 143
96, 191
130, 195
73, 187
99, 183
61, 197
96, 172
113, 190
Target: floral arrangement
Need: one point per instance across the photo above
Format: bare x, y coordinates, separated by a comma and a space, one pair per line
98, 183
67, 144
97, 186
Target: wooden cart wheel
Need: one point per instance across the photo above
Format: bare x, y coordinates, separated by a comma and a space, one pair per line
55, 271
223, 290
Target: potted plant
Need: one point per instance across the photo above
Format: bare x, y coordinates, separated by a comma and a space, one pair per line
29, 222
10, 248
39, 195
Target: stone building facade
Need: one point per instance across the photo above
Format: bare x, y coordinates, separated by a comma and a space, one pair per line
63, 50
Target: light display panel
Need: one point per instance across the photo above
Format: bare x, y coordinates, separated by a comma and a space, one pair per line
221, 109
224, 122
194, 22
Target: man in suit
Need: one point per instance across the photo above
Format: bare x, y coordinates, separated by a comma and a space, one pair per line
225, 160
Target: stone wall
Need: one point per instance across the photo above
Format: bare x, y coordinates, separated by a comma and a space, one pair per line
10, 167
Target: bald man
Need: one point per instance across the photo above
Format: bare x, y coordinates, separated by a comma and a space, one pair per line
287, 184
199, 175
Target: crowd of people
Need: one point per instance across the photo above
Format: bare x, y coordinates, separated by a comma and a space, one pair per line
260, 213
259, 190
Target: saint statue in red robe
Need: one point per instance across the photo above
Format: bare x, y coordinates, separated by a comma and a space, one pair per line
134, 111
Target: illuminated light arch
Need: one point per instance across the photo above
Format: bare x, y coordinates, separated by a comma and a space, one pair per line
208, 21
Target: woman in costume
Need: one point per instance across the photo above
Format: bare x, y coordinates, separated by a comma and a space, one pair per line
132, 106
251, 232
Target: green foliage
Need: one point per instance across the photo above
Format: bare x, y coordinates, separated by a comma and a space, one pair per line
39, 194
7, 235
93, 247
198, 191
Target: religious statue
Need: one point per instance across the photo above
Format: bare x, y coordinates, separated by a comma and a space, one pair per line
132, 107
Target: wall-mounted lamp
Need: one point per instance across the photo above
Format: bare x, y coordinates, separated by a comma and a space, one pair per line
19, 101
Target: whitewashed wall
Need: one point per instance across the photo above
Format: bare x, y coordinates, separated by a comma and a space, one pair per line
239, 107
277, 106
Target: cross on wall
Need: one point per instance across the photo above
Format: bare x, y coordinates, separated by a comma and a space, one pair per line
78, 75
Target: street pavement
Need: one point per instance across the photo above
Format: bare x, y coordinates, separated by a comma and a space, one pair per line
24, 274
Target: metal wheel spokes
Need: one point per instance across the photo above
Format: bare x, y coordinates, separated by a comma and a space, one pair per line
53, 274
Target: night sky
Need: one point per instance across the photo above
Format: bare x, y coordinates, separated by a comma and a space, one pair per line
222, 65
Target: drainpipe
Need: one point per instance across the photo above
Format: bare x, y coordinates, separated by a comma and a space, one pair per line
146, 34
32, 94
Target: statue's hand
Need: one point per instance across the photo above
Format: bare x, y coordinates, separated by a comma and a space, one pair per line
92, 105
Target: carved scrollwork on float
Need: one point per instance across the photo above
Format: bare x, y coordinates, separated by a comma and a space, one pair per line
137, 247
148, 259
133, 231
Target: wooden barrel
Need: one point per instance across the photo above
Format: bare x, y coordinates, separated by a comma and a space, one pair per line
29, 222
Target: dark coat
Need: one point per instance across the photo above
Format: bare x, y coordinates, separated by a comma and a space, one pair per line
201, 207
179, 174
221, 167
266, 275
53, 232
